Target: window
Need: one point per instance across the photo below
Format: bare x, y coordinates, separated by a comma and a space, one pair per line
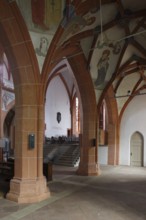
77, 114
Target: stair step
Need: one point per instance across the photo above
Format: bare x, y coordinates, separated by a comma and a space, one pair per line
66, 155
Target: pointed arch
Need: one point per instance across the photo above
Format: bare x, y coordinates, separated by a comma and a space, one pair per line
113, 128
88, 115
29, 111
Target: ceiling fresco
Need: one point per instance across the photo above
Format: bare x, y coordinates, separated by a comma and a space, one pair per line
42, 16
111, 35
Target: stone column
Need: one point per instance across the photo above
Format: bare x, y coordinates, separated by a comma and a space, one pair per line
112, 144
88, 165
29, 184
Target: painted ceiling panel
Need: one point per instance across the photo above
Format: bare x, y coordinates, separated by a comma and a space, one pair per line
86, 44
78, 24
107, 52
112, 29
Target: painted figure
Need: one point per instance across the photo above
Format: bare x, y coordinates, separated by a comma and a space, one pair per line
43, 47
102, 67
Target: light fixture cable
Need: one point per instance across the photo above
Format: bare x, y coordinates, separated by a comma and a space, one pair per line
101, 22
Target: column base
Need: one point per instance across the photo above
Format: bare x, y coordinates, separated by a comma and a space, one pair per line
89, 170
28, 190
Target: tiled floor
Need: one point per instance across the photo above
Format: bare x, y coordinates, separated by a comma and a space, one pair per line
119, 193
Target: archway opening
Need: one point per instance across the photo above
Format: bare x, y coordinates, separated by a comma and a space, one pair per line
7, 111
61, 145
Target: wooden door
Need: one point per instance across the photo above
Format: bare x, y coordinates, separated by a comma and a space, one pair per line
136, 150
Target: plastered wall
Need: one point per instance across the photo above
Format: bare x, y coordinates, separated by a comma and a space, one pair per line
134, 119
57, 100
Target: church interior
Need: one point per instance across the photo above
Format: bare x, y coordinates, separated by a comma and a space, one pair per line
73, 90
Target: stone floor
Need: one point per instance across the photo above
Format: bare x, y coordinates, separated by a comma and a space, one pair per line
119, 193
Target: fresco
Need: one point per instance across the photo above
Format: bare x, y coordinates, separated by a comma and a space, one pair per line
43, 47
46, 14
105, 57
106, 42
7, 98
74, 23
102, 67
6, 81
41, 15
41, 43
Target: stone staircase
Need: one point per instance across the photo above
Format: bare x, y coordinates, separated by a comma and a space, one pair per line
65, 155
70, 157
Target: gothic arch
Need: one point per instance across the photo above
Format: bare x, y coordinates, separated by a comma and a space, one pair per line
113, 128
77, 67
29, 111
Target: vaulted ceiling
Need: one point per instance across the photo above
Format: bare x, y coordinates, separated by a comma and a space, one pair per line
111, 34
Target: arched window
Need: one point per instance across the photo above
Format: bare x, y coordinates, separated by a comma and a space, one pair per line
75, 116
102, 120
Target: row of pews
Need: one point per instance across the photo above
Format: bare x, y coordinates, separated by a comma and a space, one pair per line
7, 167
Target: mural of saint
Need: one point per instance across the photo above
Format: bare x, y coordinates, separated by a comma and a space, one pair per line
102, 68
43, 47
6, 98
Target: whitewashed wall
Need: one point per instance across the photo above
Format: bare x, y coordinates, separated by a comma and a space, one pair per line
57, 100
134, 119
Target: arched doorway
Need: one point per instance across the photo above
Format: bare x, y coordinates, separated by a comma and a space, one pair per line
136, 150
